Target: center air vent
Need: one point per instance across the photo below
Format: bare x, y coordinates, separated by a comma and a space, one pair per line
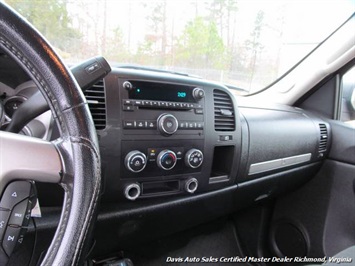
97, 104
323, 138
224, 118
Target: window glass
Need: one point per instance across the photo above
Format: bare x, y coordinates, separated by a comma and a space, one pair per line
347, 114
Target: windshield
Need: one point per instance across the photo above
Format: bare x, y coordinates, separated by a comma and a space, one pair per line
246, 44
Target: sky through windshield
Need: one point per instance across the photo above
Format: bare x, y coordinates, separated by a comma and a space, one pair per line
247, 44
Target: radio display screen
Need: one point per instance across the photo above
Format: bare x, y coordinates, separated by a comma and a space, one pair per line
143, 90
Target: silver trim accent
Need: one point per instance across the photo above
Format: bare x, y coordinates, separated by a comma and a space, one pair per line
161, 154
135, 153
27, 158
160, 123
188, 183
278, 163
135, 195
188, 155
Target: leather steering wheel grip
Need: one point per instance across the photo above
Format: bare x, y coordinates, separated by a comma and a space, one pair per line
77, 146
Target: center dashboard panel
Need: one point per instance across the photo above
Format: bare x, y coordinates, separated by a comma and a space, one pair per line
166, 142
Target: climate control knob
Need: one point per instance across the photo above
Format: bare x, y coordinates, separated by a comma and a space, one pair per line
194, 158
167, 124
135, 161
166, 159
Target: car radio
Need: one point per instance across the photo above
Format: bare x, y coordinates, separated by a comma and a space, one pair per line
164, 109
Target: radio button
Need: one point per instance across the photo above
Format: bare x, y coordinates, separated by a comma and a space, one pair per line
198, 94
183, 125
151, 124
138, 103
167, 124
129, 108
129, 124
141, 124
199, 125
127, 102
191, 125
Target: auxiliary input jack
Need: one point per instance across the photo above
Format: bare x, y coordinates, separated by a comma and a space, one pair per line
191, 185
132, 191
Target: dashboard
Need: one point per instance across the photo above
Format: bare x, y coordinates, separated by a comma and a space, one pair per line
164, 134
176, 146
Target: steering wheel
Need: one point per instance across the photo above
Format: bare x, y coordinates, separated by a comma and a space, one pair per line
73, 160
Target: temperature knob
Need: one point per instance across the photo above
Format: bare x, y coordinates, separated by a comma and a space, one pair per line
167, 124
135, 161
198, 93
194, 158
166, 159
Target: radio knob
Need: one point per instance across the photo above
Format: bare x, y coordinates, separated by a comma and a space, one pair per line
166, 159
127, 85
198, 94
194, 158
167, 124
135, 161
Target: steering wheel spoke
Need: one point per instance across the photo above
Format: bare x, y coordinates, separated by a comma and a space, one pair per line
23, 157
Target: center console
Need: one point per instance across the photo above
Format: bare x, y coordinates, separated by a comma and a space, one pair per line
163, 137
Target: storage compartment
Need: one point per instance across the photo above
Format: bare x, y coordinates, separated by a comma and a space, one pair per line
222, 164
166, 187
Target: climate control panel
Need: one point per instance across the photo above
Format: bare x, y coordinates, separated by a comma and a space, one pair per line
163, 159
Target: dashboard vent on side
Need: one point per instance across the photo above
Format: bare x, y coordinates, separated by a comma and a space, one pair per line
97, 104
224, 117
323, 138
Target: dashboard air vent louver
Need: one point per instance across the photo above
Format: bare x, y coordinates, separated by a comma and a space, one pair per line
224, 117
323, 138
97, 104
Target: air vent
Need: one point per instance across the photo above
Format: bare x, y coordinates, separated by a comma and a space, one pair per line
97, 104
224, 119
323, 138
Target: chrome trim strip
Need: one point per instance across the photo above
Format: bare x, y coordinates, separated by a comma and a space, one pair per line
278, 163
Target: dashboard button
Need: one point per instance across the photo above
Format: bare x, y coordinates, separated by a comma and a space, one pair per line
151, 124
194, 158
199, 125
15, 192
166, 159
167, 124
199, 111
138, 103
128, 108
129, 124
127, 102
140, 124
183, 125
225, 137
191, 125
135, 161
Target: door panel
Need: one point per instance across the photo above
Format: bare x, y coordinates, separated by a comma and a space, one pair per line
320, 216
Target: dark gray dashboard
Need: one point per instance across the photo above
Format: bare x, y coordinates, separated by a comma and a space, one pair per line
237, 144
